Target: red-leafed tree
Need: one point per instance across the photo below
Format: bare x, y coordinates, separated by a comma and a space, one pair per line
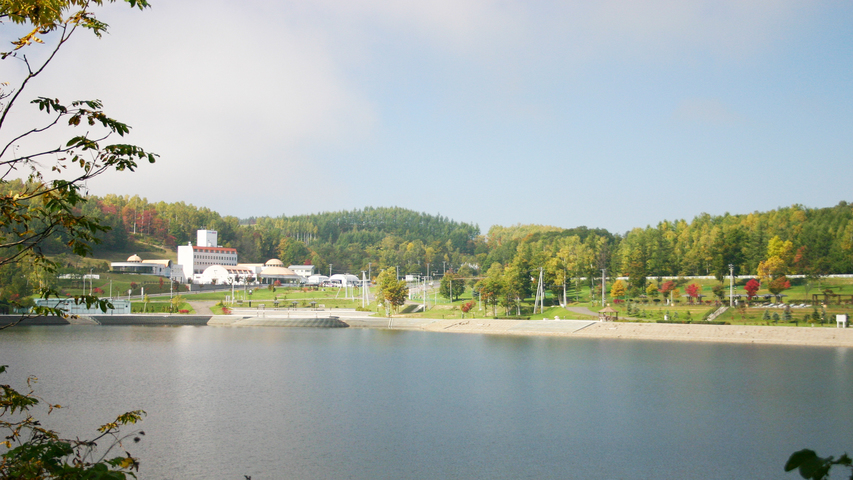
666, 287
751, 287
693, 291
778, 285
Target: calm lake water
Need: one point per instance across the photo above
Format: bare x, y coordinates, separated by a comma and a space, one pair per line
349, 403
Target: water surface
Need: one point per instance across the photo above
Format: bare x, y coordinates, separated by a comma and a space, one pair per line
361, 404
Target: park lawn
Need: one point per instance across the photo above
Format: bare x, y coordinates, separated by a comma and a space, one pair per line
284, 296
753, 315
159, 307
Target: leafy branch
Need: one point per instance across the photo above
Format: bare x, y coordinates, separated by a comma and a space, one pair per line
812, 467
34, 451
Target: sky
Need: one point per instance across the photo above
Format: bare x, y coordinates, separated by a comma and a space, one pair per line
609, 114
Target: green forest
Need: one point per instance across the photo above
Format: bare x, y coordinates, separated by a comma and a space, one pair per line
785, 241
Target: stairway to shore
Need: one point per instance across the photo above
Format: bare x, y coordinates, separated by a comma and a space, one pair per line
716, 314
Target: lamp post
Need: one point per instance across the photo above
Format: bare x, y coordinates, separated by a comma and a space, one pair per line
330, 271
731, 285
603, 277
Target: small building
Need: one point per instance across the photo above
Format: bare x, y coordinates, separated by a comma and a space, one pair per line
275, 272
135, 264
317, 280
344, 280
302, 270
608, 314
224, 275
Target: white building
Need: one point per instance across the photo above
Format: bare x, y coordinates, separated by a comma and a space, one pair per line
206, 238
134, 264
196, 259
302, 270
222, 275
344, 280
274, 271
317, 279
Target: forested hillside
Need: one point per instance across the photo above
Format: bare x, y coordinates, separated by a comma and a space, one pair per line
790, 240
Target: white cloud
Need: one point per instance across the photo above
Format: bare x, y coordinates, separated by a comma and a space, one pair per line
661, 28
224, 98
236, 93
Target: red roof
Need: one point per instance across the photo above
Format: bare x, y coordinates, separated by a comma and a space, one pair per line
210, 249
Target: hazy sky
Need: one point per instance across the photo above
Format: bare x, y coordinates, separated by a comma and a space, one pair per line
610, 113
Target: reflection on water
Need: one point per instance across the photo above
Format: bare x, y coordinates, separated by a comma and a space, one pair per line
349, 403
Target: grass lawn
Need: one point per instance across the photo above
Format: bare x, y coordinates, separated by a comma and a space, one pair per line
285, 296
159, 307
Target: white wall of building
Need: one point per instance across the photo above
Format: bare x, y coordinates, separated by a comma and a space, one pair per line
207, 238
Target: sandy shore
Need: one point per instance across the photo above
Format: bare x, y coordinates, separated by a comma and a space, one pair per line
807, 336
812, 336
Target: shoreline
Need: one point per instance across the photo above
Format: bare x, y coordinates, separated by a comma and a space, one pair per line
754, 334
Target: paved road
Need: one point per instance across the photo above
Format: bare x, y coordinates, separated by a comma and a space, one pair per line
582, 311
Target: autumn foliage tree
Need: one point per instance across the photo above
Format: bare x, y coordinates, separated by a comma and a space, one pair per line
393, 292
693, 290
779, 285
751, 288
652, 289
666, 288
618, 289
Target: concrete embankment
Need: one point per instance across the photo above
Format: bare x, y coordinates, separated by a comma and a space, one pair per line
804, 336
153, 320
164, 320
33, 321
478, 325
234, 321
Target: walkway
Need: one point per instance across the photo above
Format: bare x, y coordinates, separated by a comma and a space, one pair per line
202, 307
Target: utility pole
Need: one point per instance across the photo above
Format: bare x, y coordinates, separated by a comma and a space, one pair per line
603, 281
364, 300
330, 271
540, 294
731, 285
